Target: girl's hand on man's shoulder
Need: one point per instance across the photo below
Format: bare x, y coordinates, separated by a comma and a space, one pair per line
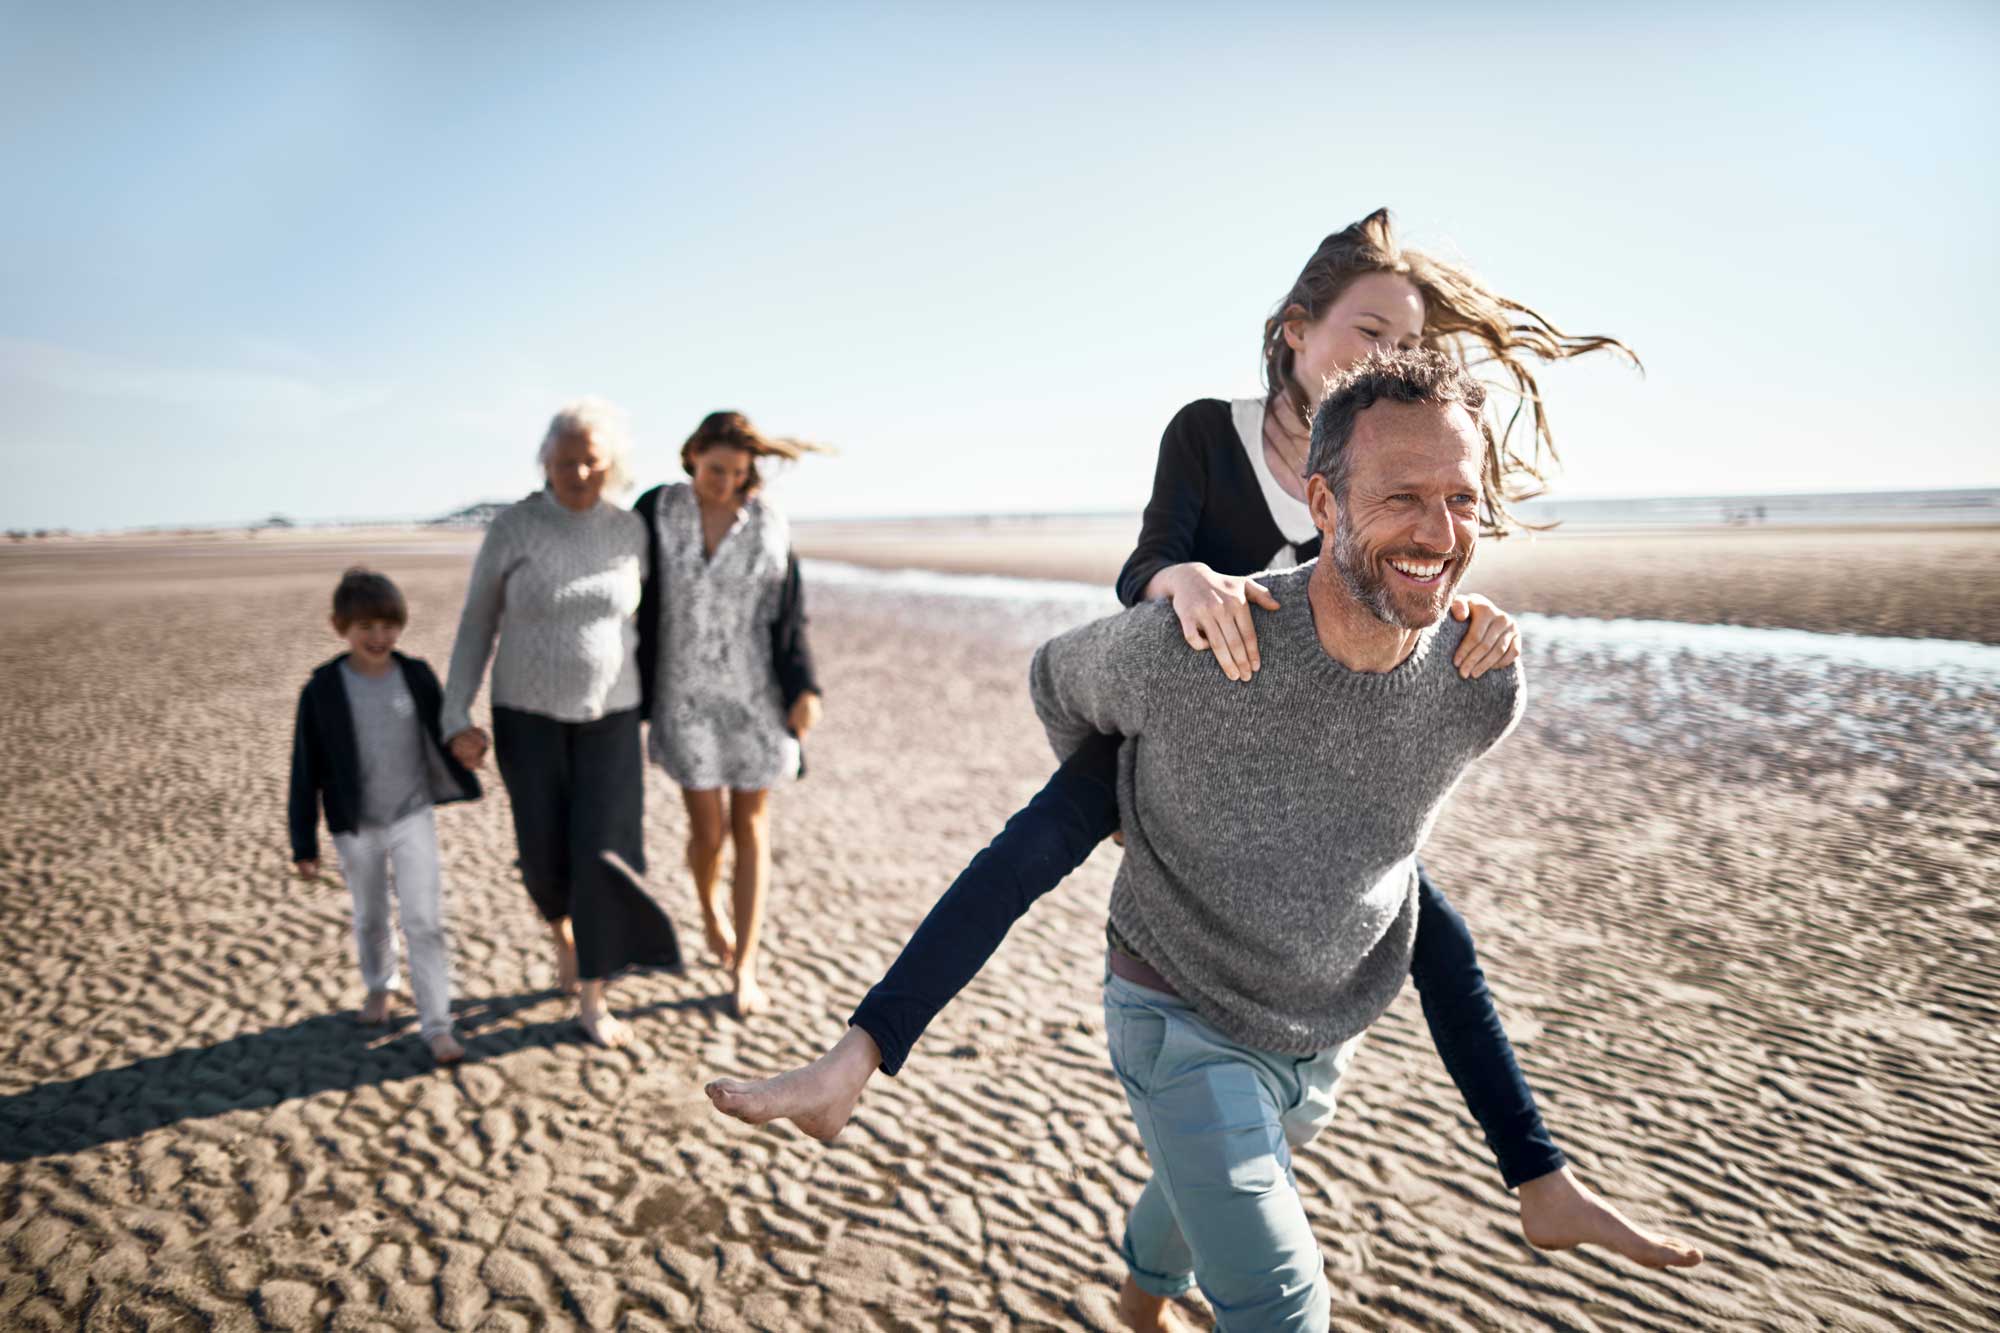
1492, 638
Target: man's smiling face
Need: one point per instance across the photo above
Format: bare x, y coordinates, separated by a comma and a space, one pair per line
1405, 530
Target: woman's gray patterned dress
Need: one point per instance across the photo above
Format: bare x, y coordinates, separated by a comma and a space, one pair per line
719, 720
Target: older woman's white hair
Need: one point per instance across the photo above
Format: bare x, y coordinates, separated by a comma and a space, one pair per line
606, 424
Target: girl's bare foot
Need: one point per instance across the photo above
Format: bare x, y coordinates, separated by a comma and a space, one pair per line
818, 1098
445, 1049
375, 1009
1558, 1212
1142, 1310
565, 940
750, 997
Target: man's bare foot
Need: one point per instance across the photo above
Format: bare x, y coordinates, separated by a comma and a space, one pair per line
720, 934
445, 1048
565, 939
375, 1009
818, 1097
1558, 1212
1142, 1310
750, 997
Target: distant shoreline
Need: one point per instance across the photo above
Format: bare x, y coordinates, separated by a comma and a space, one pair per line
1893, 580
1952, 507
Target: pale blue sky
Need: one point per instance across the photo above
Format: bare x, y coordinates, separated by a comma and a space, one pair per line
344, 259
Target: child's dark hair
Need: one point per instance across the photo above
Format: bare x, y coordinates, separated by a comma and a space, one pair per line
365, 595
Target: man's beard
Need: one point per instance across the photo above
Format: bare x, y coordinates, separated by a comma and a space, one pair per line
1367, 581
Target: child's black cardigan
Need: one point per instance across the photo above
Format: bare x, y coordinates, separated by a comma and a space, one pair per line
326, 763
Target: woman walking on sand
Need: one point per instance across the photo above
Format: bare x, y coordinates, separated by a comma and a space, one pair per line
557, 582
1228, 500
730, 686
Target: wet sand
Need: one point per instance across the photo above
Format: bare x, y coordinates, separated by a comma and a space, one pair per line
1740, 914
1909, 581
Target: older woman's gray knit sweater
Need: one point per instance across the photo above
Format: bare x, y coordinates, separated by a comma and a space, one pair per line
559, 589
1271, 828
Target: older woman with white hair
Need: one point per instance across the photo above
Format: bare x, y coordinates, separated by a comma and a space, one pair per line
557, 583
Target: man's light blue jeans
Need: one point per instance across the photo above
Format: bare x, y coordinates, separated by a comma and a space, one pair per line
1219, 1121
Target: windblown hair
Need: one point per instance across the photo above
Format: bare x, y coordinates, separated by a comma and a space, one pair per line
733, 430
606, 424
1461, 316
365, 595
1421, 376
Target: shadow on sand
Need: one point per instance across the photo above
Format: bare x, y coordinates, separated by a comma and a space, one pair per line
261, 1069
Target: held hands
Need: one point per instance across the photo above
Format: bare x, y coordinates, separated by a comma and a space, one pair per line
469, 747
1492, 640
804, 714
1214, 611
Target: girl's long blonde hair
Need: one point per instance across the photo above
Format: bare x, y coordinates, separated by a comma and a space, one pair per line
1461, 316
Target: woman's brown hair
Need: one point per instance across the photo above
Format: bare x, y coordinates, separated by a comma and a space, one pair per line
733, 430
1461, 316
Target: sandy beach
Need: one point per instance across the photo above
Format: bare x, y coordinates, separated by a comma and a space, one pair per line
1737, 898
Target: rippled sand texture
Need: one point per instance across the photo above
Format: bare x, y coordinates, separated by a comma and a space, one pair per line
1748, 955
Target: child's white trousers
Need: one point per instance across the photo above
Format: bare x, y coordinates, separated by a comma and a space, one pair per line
403, 853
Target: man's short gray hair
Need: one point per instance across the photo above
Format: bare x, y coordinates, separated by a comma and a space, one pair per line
606, 424
1418, 376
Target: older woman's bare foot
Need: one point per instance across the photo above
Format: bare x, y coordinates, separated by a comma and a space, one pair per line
818, 1098
750, 997
1142, 1310
1558, 1212
565, 939
375, 1009
605, 1028
597, 1020
445, 1048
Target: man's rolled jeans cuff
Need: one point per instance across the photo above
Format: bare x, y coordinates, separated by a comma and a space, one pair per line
1153, 1284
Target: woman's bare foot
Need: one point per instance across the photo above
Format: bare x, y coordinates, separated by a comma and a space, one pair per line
375, 1009
1559, 1212
818, 1097
597, 1020
750, 997
565, 939
720, 934
445, 1048
1142, 1310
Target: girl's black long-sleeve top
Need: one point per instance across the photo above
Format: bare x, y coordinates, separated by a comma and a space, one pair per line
1207, 505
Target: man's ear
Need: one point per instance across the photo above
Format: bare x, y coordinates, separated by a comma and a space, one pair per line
1325, 510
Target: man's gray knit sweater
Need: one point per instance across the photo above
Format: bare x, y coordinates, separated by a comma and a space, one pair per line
1271, 828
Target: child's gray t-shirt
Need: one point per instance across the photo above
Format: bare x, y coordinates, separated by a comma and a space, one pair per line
389, 742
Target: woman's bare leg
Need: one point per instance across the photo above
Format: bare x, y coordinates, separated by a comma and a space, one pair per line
704, 857
565, 941
750, 827
818, 1097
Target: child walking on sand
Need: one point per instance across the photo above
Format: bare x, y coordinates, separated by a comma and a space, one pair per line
367, 746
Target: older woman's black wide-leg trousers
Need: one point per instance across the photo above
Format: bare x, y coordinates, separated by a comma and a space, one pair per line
578, 791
